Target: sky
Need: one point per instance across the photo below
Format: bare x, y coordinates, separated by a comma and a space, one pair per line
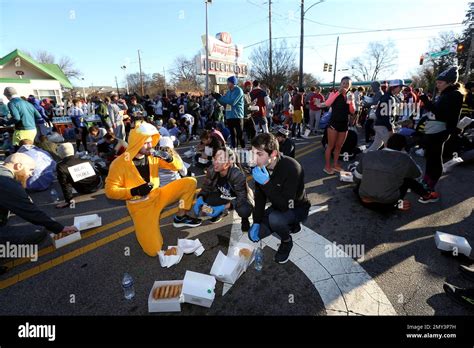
102, 35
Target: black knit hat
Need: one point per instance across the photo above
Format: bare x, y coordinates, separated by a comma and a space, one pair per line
450, 75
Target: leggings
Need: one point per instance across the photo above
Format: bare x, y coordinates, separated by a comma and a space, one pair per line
236, 126
434, 147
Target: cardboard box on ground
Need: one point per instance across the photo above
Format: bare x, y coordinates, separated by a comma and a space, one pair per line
82, 223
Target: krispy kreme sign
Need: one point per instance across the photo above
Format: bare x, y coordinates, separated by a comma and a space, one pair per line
222, 47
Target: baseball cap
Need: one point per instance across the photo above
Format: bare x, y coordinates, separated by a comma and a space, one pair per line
396, 83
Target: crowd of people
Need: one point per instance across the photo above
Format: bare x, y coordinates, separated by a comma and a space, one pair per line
136, 139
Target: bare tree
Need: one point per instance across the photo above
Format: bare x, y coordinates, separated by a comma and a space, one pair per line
184, 75
427, 74
284, 63
67, 66
65, 63
377, 62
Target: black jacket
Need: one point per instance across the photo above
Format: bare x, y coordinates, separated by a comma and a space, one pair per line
288, 148
87, 185
447, 108
13, 198
386, 111
284, 191
244, 195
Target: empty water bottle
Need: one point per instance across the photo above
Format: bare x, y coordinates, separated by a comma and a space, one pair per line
54, 196
259, 257
127, 286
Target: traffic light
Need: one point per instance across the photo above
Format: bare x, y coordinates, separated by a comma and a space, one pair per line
460, 48
330, 68
422, 58
325, 69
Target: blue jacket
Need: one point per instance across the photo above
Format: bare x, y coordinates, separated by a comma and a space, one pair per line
23, 114
233, 101
37, 104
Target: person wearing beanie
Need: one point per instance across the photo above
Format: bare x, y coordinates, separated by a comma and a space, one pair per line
90, 179
14, 174
24, 116
233, 102
287, 145
134, 178
446, 110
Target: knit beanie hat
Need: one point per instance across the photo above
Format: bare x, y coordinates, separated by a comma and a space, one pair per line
450, 75
232, 80
9, 91
65, 150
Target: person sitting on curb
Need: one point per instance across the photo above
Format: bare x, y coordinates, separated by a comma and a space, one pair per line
287, 145
134, 178
90, 183
280, 180
14, 174
385, 177
225, 188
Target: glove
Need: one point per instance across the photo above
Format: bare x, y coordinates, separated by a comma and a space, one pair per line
198, 205
142, 190
253, 233
216, 210
216, 95
260, 175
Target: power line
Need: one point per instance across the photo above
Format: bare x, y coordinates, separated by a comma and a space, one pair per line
361, 32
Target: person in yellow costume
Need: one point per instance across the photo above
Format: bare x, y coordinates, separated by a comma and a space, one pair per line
133, 177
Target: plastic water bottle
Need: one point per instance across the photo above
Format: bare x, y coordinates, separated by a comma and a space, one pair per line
54, 196
259, 257
127, 286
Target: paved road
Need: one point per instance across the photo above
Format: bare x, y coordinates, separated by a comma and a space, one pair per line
400, 256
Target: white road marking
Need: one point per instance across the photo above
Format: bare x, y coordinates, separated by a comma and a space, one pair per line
344, 286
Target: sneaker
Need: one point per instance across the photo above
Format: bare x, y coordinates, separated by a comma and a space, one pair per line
186, 221
283, 253
467, 272
464, 297
431, 198
218, 218
245, 225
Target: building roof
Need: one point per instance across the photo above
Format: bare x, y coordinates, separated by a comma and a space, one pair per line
52, 70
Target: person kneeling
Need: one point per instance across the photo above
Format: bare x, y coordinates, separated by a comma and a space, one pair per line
225, 187
280, 180
385, 177
89, 182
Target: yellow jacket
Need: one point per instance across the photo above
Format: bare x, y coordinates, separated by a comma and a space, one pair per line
123, 175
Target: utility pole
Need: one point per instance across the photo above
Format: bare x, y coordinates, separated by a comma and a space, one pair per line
301, 45
207, 49
469, 56
335, 64
270, 58
141, 75
116, 84
164, 79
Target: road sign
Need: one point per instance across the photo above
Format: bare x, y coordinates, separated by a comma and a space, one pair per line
440, 54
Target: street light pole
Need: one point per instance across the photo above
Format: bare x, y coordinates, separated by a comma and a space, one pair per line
303, 12
207, 49
124, 68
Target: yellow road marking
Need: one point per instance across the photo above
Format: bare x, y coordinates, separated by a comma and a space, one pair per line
92, 246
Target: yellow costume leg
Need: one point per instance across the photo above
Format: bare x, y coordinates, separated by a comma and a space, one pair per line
146, 214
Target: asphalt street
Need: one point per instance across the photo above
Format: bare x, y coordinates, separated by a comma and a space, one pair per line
84, 278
